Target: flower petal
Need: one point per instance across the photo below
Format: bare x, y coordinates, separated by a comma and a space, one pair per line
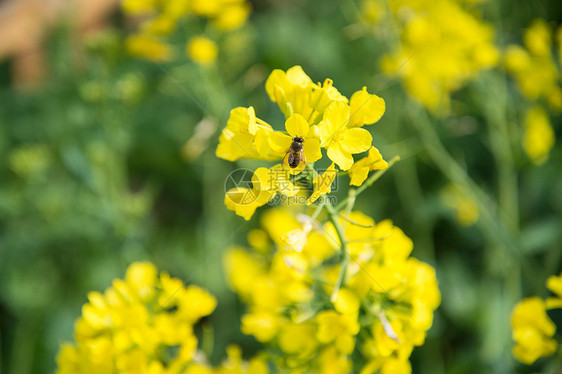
340, 156
356, 140
280, 142
365, 108
296, 125
358, 175
311, 150
335, 119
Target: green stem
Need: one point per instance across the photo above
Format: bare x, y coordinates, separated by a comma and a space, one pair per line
333, 214
489, 223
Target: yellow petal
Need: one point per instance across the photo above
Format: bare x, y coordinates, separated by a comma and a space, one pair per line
240, 200
365, 108
356, 140
358, 175
296, 125
335, 119
242, 119
297, 76
376, 162
280, 142
340, 156
311, 151
554, 283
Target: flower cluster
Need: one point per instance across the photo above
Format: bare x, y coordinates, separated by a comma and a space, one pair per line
535, 70
533, 330
319, 115
160, 19
144, 324
441, 47
315, 311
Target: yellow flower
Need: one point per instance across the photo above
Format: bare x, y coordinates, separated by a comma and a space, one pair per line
532, 331
437, 54
323, 184
533, 68
538, 38
148, 47
262, 325
341, 328
265, 184
466, 210
347, 302
202, 50
298, 338
242, 269
341, 141
366, 109
360, 169
295, 92
134, 324
139, 6
297, 126
538, 138
232, 16
554, 283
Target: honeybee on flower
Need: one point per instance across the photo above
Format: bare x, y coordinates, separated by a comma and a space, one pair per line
317, 116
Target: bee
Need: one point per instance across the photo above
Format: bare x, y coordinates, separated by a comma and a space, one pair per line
295, 152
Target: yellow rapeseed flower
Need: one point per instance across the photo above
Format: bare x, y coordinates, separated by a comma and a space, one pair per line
202, 50
340, 140
129, 326
442, 46
316, 116
534, 67
148, 47
538, 137
278, 287
554, 283
532, 331
360, 170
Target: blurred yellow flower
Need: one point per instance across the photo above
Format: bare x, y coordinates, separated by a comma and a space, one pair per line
392, 294
538, 137
533, 67
442, 47
554, 283
128, 328
162, 17
532, 331
202, 50
466, 210
149, 47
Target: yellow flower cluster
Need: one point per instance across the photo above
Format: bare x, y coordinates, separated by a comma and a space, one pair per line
160, 18
442, 46
288, 280
533, 66
533, 330
321, 117
538, 77
144, 324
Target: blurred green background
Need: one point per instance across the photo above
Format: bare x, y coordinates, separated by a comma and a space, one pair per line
95, 174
